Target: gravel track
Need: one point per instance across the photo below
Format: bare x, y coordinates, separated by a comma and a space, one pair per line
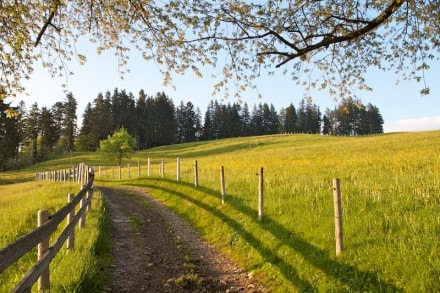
156, 251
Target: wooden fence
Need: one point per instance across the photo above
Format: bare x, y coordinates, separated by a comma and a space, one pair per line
80, 174
47, 225
109, 171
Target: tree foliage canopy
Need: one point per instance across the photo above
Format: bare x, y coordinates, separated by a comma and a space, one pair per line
324, 44
119, 145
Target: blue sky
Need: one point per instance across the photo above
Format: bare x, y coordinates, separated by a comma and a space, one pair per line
401, 105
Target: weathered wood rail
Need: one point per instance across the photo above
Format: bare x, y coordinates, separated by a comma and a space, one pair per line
40, 236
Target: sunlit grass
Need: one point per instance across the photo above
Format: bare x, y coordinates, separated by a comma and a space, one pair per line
390, 195
19, 204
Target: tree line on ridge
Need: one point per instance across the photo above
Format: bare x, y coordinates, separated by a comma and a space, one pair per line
35, 134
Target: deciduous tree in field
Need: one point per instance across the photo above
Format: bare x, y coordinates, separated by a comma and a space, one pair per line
118, 146
324, 44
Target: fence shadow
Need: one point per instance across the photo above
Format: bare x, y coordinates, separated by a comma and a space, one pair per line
287, 270
319, 258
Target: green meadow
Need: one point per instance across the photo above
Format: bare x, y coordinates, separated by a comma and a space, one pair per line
390, 187
70, 272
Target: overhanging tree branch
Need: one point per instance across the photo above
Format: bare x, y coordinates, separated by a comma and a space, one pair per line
331, 39
48, 22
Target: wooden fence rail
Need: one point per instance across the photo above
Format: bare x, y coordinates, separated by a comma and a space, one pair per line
14, 251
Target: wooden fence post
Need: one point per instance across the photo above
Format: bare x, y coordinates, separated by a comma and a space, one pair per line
128, 166
83, 175
178, 169
43, 246
86, 174
120, 175
196, 174
162, 168
222, 183
148, 167
71, 239
82, 220
338, 216
139, 168
78, 179
260, 195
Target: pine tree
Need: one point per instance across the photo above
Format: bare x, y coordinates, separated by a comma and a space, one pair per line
86, 140
186, 122
257, 120
329, 123
301, 115
274, 123
198, 125
375, 120
207, 125
32, 129
141, 120
246, 120
48, 135
164, 128
69, 131
9, 137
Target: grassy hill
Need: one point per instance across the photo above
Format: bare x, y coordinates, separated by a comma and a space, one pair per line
390, 195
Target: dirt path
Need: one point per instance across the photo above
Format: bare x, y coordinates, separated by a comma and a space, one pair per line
156, 251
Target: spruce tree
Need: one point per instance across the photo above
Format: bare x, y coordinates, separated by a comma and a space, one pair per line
9, 137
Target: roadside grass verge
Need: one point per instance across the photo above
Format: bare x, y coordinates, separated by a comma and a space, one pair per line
79, 270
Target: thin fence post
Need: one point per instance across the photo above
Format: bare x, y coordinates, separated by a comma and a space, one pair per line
120, 175
91, 189
89, 194
261, 195
43, 246
99, 171
128, 166
78, 171
84, 175
80, 174
338, 216
139, 168
70, 244
148, 167
84, 178
196, 174
82, 220
222, 183
178, 169
162, 168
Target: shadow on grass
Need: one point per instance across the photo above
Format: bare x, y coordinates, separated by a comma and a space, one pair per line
8, 181
354, 278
